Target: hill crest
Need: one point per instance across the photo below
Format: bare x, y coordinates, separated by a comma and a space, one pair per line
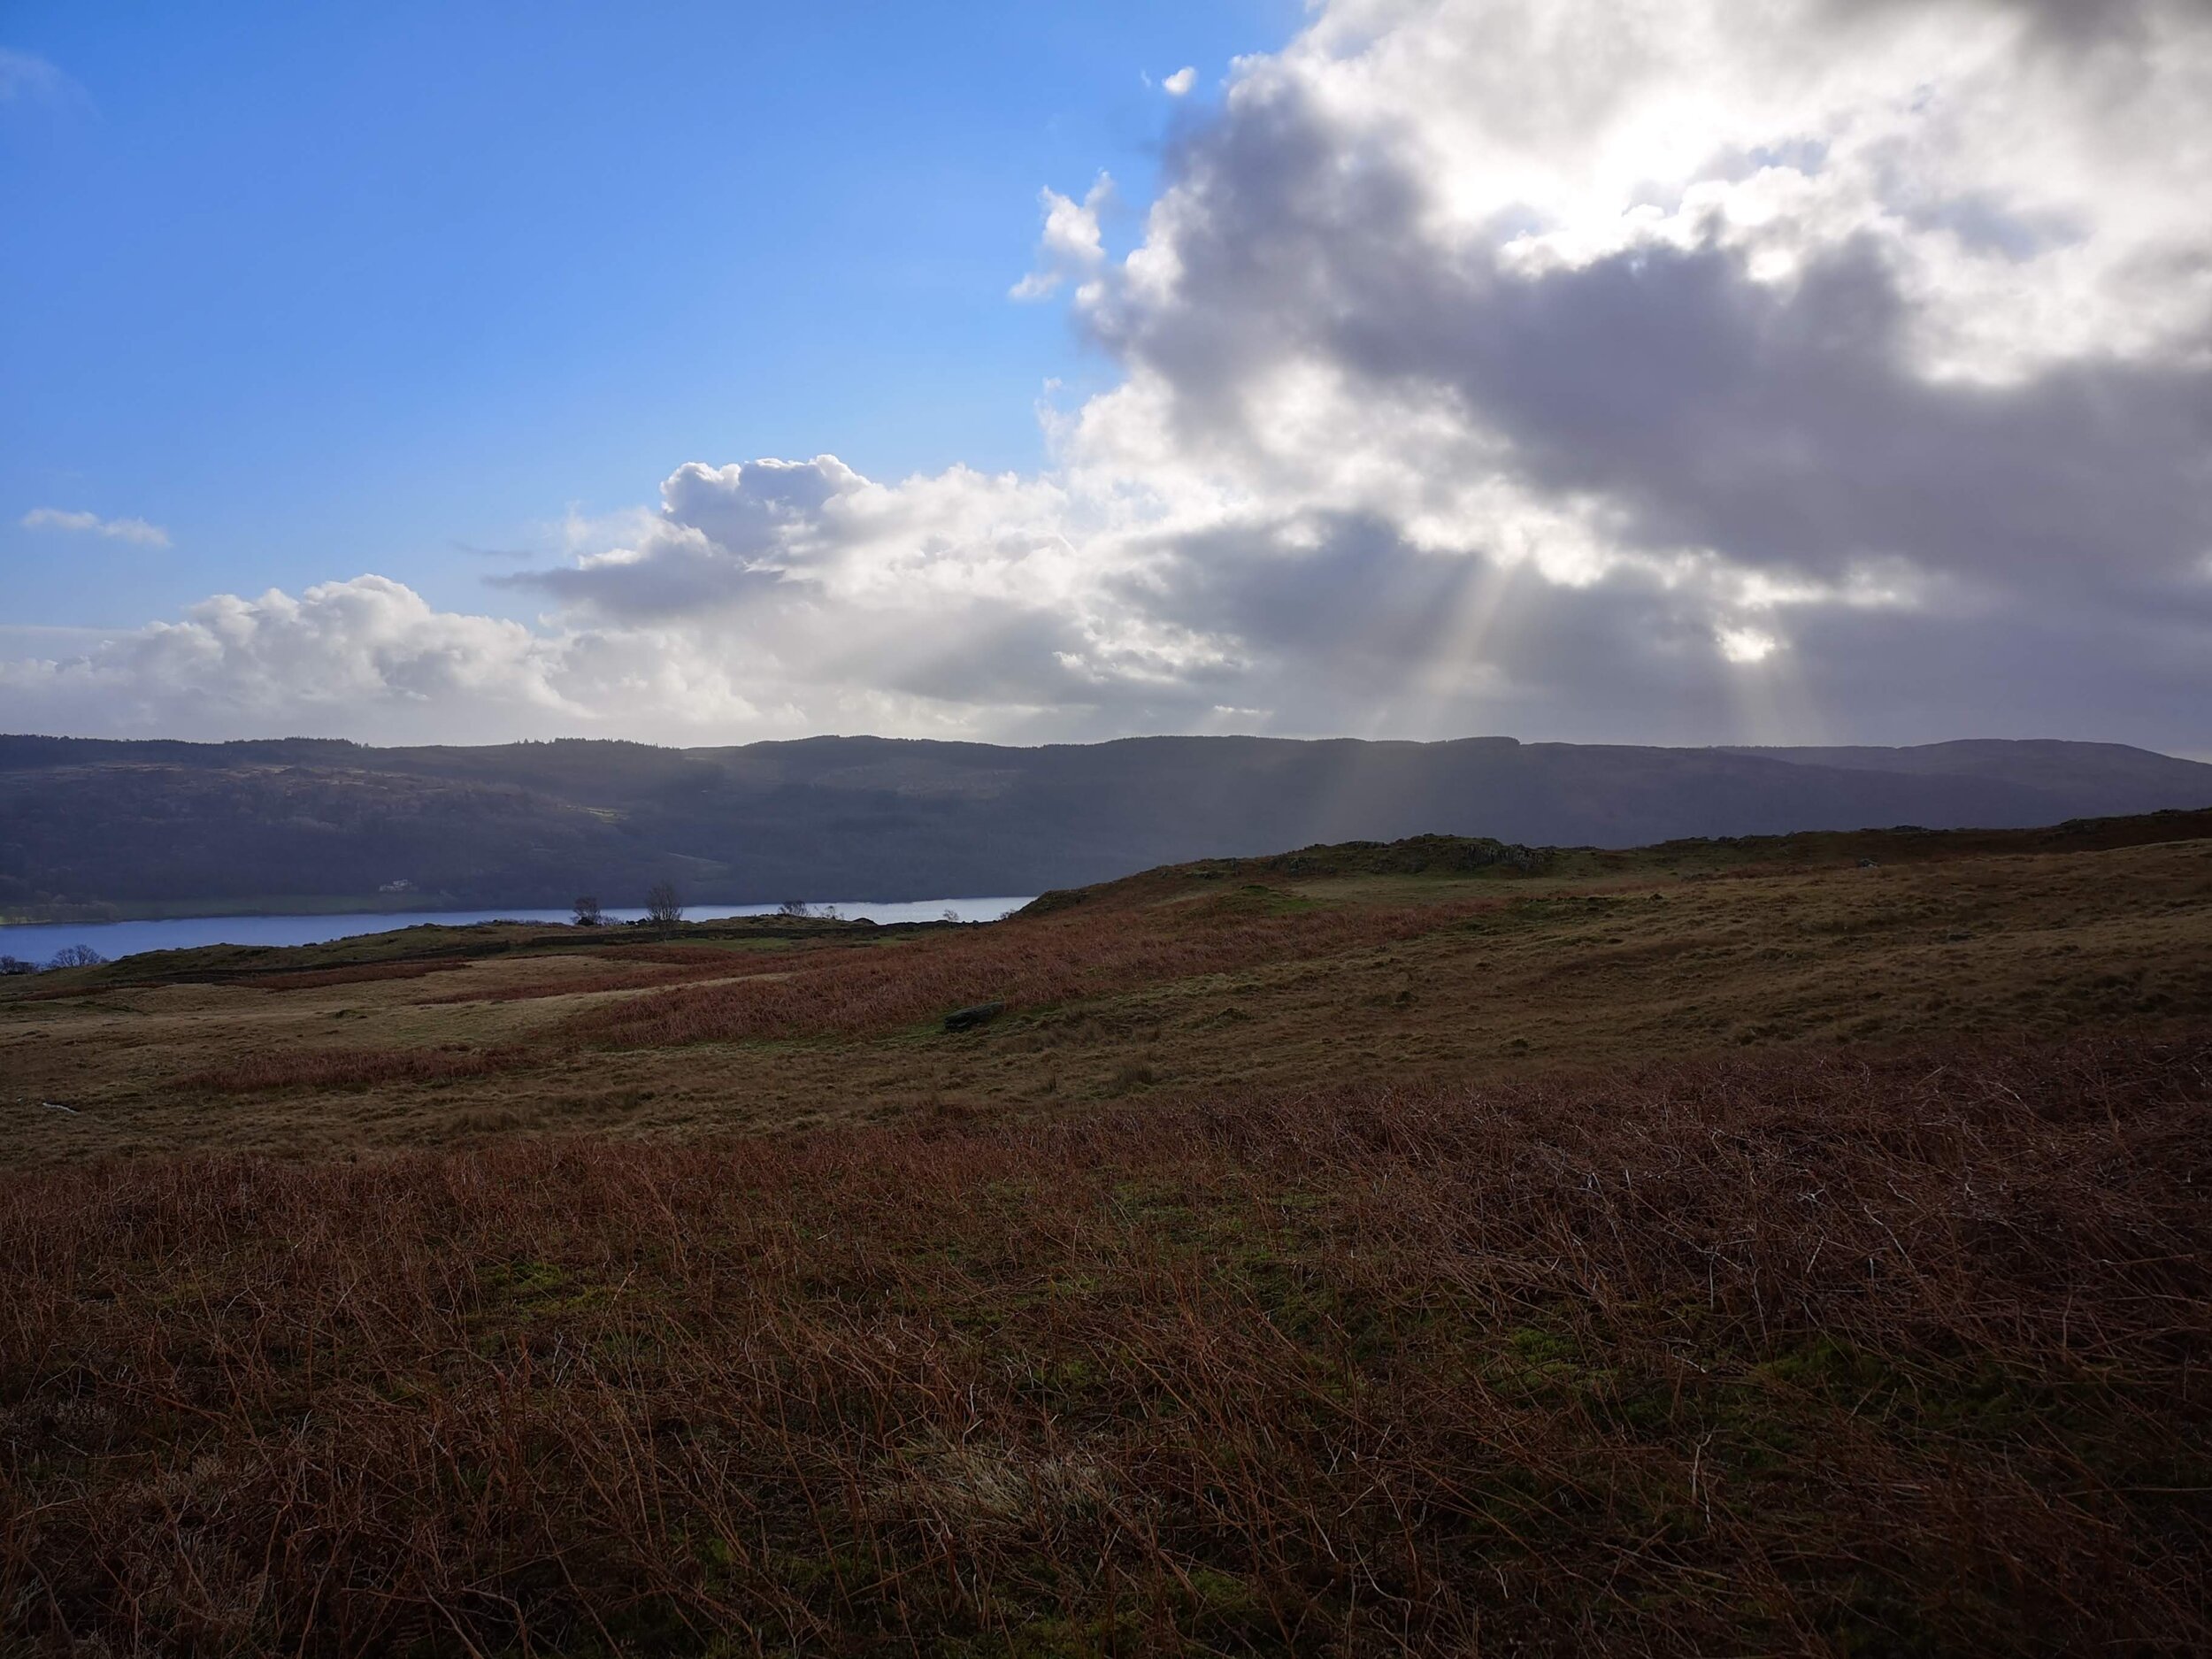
132, 825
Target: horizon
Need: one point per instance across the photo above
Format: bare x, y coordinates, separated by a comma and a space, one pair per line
1837, 377
1132, 737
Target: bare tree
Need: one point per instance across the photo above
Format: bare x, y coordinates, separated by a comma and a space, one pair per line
663, 908
588, 914
794, 907
76, 956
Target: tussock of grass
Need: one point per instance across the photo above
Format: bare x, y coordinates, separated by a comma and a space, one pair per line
1774, 1354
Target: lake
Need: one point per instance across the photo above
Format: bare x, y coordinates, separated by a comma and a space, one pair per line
39, 942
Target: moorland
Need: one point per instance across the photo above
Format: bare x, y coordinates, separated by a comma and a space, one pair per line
1794, 1243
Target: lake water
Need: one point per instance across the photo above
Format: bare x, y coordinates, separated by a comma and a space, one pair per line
39, 942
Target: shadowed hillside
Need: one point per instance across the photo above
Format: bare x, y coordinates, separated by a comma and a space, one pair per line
148, 824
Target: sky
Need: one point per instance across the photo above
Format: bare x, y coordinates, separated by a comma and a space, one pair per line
1811, 371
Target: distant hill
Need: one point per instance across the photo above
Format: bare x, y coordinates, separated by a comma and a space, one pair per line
293, 822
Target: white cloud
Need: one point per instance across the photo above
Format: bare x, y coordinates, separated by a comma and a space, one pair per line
1181, 82
1071, 245
135, 530
1661, 370
369, 658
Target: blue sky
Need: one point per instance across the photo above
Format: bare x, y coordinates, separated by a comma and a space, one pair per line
1657, 370
326, 290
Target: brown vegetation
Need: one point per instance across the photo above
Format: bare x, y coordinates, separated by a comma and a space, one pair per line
1056, 957
346, 1068
1772, 1354
1377, 1256
363, 973
723, 965
1182, 984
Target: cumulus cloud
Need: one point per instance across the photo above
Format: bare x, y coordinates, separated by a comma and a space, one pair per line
1070, 247
1674, 371
370, 658
1181, 82
135, 530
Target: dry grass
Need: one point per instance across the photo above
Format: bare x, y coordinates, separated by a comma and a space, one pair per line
1168, 987
1039, 961
363, 973
1378, 1264
1770, 1354
705, 956
349, 1068
669, 965
725, 966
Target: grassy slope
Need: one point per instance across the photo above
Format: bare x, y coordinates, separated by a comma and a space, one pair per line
1724, 1247
1193, 980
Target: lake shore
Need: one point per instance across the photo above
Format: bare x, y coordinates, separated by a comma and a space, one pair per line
129, 936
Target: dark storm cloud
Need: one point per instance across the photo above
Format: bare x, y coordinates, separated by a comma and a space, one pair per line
1781, 425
